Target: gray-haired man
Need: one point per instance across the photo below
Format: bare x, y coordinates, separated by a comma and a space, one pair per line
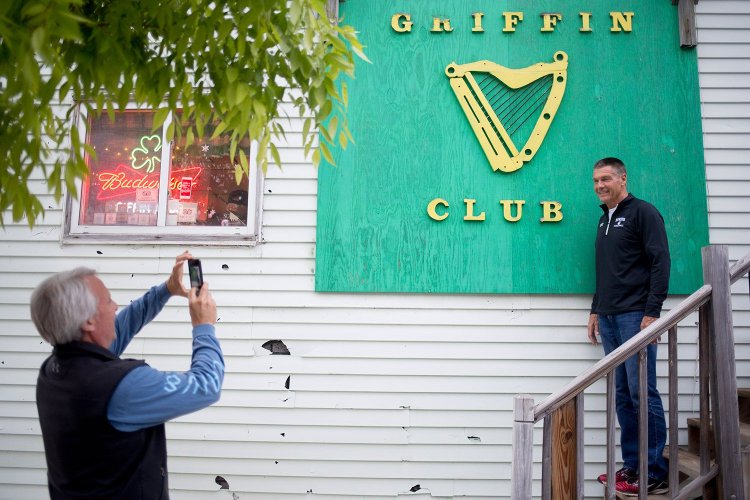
102, 417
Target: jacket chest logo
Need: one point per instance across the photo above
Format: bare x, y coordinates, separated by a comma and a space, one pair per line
619, 222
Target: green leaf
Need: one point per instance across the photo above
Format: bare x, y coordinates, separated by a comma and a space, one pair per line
238, 174
306, 127
38, 39
170, 131
32, 9
276, 156
243, 162
159, 118
316, 158
107, 55
233, 148
221, 127
332, 126
326, 153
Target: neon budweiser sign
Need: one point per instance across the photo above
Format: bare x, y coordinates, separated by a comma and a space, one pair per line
123, 181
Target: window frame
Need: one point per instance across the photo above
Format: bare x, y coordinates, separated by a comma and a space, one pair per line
73, 232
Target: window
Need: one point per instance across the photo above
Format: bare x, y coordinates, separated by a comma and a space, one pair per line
141, 187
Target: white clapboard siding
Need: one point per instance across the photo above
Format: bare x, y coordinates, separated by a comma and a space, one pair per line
383, 395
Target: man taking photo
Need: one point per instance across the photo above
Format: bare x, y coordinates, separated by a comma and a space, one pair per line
102, 417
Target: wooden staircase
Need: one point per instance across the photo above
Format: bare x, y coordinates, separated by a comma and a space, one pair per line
717, 382
689, 456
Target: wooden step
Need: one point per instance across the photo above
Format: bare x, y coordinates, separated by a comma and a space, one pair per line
689, 462
694, 427
689, 466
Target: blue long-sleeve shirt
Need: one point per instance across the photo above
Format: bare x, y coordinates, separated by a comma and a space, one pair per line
146, 396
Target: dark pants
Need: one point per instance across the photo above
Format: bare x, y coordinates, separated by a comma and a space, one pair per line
615, 330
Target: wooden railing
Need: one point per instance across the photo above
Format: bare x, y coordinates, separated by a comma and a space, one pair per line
717, 383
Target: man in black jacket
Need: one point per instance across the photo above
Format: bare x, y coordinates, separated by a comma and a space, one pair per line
632, 279
102, 417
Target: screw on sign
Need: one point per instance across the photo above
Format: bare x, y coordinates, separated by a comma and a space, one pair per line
186, 188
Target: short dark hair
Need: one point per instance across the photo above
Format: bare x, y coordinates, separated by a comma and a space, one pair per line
613, 162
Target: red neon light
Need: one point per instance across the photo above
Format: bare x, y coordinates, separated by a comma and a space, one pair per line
123, 181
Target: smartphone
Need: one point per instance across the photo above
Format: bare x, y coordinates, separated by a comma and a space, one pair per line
196, 274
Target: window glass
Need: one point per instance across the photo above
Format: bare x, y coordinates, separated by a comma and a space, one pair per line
142, 187
203, 187
123, 186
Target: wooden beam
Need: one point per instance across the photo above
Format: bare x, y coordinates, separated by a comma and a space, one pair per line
723, 378
564, 452
523, 447
688, 31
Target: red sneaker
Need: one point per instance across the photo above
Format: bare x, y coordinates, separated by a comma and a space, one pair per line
630, 488
624, 474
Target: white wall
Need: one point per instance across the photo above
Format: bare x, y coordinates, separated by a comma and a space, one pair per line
386, 392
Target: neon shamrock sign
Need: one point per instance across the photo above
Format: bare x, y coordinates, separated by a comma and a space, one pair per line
145, 156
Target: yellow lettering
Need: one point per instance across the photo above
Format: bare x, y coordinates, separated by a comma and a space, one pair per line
477, 22
470, 211
511, 19
585, 21
507, 212
432, 209
439, 25
139, 183
401, 23
621, 21
550, 21
551, 211
110, 180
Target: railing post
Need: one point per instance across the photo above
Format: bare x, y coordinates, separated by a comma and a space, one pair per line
547, 458
564, 450
723, 378
674, 467
523, 447
609, 491
579, 447
642, 419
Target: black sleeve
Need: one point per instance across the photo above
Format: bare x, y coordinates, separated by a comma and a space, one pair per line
656, 246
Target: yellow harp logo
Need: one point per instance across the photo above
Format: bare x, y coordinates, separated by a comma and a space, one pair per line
499, 103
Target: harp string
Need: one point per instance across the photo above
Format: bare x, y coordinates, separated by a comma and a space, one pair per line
514, 107
503, 94
487, 117
535, 103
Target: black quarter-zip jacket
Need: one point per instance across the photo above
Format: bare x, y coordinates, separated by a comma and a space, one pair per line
632, 260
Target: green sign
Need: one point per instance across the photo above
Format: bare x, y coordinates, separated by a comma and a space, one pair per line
477, 126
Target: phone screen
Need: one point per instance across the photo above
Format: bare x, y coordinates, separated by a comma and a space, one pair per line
196, 273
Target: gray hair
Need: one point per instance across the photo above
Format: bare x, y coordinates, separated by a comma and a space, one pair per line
61, 304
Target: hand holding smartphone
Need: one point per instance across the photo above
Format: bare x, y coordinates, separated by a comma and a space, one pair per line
196, 274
